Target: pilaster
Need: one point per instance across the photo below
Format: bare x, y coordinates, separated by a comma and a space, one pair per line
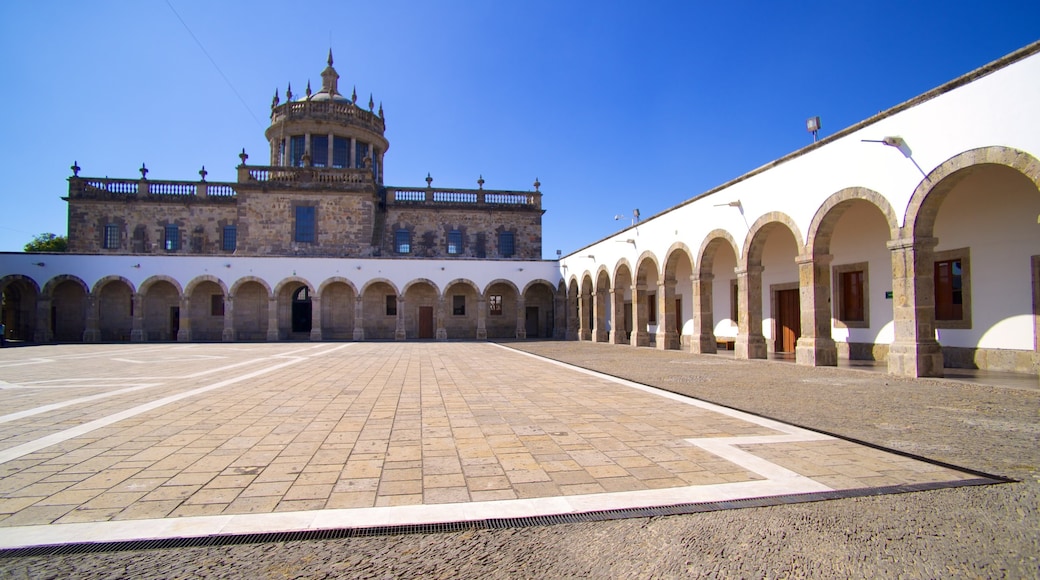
137, 321
316, 331
272, 319
359, 318
618, 332
399, 332
482, 318
227, 334
703, 340
599, 310
914, 352
92, 330
667, 337
184, 320
750, 343
521, 317
640, 316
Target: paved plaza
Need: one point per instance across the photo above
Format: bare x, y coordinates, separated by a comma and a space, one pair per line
125, 442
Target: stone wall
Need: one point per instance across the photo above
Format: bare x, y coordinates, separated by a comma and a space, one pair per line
142, 225
480, 228
267, 221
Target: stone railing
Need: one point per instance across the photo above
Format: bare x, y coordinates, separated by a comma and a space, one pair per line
329, 110
464, 197
333, 177
105, 187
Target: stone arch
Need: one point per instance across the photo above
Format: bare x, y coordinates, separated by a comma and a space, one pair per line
463, 302
160, 298
295, 318
153, 280
510, 283
821, 229
759, 231
250, 303
647, 257
380, 299
206, 309
623, 263
417, 281
114, 300
540, 309
924, 204
339, 298
675, 296
600, 305
20, 297
503, 302
621, 329
375, 281
671, 256
68, 297
423, 314
706, 254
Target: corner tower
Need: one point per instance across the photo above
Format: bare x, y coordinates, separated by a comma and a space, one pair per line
327, 129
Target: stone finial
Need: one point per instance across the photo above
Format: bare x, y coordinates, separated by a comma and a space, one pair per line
288, 92
144, 171
429, 180
308, 91
203, 173
243, 156
330, 56
275, 100
380, 109
537, 184
480, 182
371, 102
353, 96
75, 169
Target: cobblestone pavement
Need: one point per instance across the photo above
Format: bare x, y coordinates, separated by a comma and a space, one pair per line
975, 531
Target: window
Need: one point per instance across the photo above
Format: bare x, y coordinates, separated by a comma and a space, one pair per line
506, 244
111, 240
391, 305
297, 144
305, 224
319, 150
458, 305
851, 295
651, 308
216, 305
360, 154
495, 304
402, 241
952, 289
172, 239
340, 148
454, 242
230, 241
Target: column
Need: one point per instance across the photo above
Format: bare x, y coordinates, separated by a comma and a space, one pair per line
359, 318
617, 309
599, 313
137, 323
184, 320
228, 333
521, 317
92, 330
703, 340
640, 316
815, 347
316, 332
667, 337
42, 333
914, 351
585, 317
481, 318
442, 333
332, 147
399, 332
570, 313
750, 343
272, 319
351, 161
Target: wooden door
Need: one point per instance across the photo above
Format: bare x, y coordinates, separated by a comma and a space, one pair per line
426, 322
788, 320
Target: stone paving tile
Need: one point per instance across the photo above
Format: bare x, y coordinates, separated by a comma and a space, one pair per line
366, 425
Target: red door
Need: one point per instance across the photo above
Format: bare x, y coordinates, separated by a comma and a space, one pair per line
426, 322
788, 320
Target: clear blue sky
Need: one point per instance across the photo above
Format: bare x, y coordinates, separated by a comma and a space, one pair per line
612, 105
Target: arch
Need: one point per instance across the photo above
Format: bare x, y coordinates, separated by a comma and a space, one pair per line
339, 299
538, 282
623, 263
20, 295
194, 282
104, 280
48, 288
153, 280
671, 256
249, 280
502, 312
821, 228
462, 320
509, 283
288, 282
641, 262
754, 243
417, 281
922, 209
114, 297
710, 245
540, 309
336, 280
375, 281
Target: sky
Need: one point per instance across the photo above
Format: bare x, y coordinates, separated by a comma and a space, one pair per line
610, 105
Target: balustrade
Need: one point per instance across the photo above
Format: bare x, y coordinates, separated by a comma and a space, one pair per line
463, 197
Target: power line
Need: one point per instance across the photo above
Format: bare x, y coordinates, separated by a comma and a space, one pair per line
215, 65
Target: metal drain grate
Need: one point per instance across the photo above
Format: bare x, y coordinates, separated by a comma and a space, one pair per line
486, 524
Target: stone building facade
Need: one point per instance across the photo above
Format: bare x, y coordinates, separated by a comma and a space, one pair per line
322, 195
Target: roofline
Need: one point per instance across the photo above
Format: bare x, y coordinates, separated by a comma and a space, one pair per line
968, 78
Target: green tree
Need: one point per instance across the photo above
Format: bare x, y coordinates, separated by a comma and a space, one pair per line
48, 243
